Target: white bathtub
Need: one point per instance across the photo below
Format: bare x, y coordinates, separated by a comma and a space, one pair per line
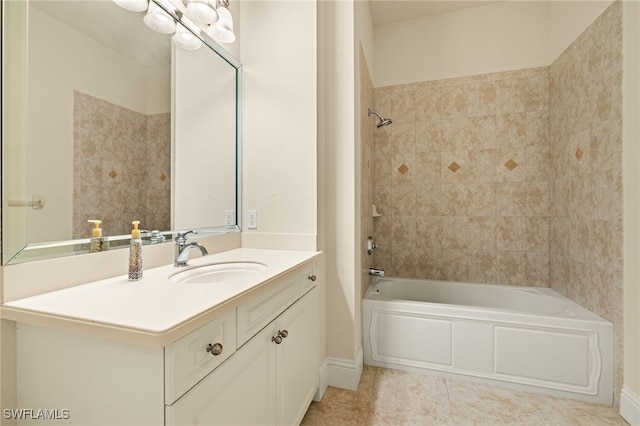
527, 338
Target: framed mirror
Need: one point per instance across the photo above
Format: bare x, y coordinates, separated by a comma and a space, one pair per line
105, 119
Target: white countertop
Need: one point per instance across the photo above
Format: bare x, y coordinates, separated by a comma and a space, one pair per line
154, 310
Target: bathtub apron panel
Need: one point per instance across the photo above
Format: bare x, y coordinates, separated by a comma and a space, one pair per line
568, 355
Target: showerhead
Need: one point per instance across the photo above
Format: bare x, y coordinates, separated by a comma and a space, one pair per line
383, 121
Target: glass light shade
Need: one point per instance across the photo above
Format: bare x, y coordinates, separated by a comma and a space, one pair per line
158, 20
222, 31
184, 39
133, 5
202, 11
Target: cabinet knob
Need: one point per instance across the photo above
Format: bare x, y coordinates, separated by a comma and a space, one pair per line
215, 349
312, 277
282, 334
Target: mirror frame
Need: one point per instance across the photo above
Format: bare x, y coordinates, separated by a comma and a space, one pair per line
14, 130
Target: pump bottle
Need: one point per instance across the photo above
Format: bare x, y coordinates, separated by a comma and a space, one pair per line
98, 242
135, 253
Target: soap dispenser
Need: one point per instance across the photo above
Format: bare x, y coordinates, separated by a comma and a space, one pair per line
135, 253
98, 242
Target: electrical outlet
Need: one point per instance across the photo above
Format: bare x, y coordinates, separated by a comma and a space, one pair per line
228, 217
253, 219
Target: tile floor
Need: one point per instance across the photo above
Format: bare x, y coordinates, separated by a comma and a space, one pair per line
392, 397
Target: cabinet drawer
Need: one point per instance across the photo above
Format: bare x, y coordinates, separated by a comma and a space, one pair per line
192, 357
263, 308
308, 278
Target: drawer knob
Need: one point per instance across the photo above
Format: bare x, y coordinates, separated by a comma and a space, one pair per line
215, 349
281, 335
312, 277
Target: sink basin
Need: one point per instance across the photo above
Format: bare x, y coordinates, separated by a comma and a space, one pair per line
215, 273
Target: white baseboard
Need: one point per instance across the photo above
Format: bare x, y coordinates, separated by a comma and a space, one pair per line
630, 406
340, 373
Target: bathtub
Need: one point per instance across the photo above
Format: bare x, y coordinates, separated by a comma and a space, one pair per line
527, 338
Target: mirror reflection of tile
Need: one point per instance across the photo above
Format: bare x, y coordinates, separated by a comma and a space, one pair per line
121, 167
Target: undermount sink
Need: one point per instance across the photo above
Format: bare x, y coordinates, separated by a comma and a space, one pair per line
215, 273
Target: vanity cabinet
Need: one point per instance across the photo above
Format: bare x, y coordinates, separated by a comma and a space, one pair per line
255, 363
269, 380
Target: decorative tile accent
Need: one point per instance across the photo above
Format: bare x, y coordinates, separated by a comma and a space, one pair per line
511, 164
454, 167
579, 154
163, 177
113, 174
403, 169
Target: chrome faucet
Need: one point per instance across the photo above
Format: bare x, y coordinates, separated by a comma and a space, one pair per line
182, 248
376, 272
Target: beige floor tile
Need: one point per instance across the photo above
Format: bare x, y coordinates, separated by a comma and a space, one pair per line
410, 394
568, 412
381, 418
399, 398
480, 404
332, 413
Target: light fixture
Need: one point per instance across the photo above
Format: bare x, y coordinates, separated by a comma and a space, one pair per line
159, 20
222, 31
133, 5
202, 11
218, 18
184, 39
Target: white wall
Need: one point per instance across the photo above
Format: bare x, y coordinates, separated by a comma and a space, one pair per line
568, 19
278, 53
364, 36
498, 37
340, 206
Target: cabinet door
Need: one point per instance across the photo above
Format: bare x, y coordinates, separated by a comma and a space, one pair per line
297, 365
239, 392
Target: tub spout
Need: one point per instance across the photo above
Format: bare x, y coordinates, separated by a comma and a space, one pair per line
376, 272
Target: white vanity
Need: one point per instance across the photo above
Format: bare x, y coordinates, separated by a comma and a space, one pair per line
241, 349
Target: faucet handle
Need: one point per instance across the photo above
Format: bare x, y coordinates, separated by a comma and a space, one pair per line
182, 236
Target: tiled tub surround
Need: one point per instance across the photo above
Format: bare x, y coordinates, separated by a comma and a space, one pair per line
121, 167
511, 177
586, 206
462, 179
